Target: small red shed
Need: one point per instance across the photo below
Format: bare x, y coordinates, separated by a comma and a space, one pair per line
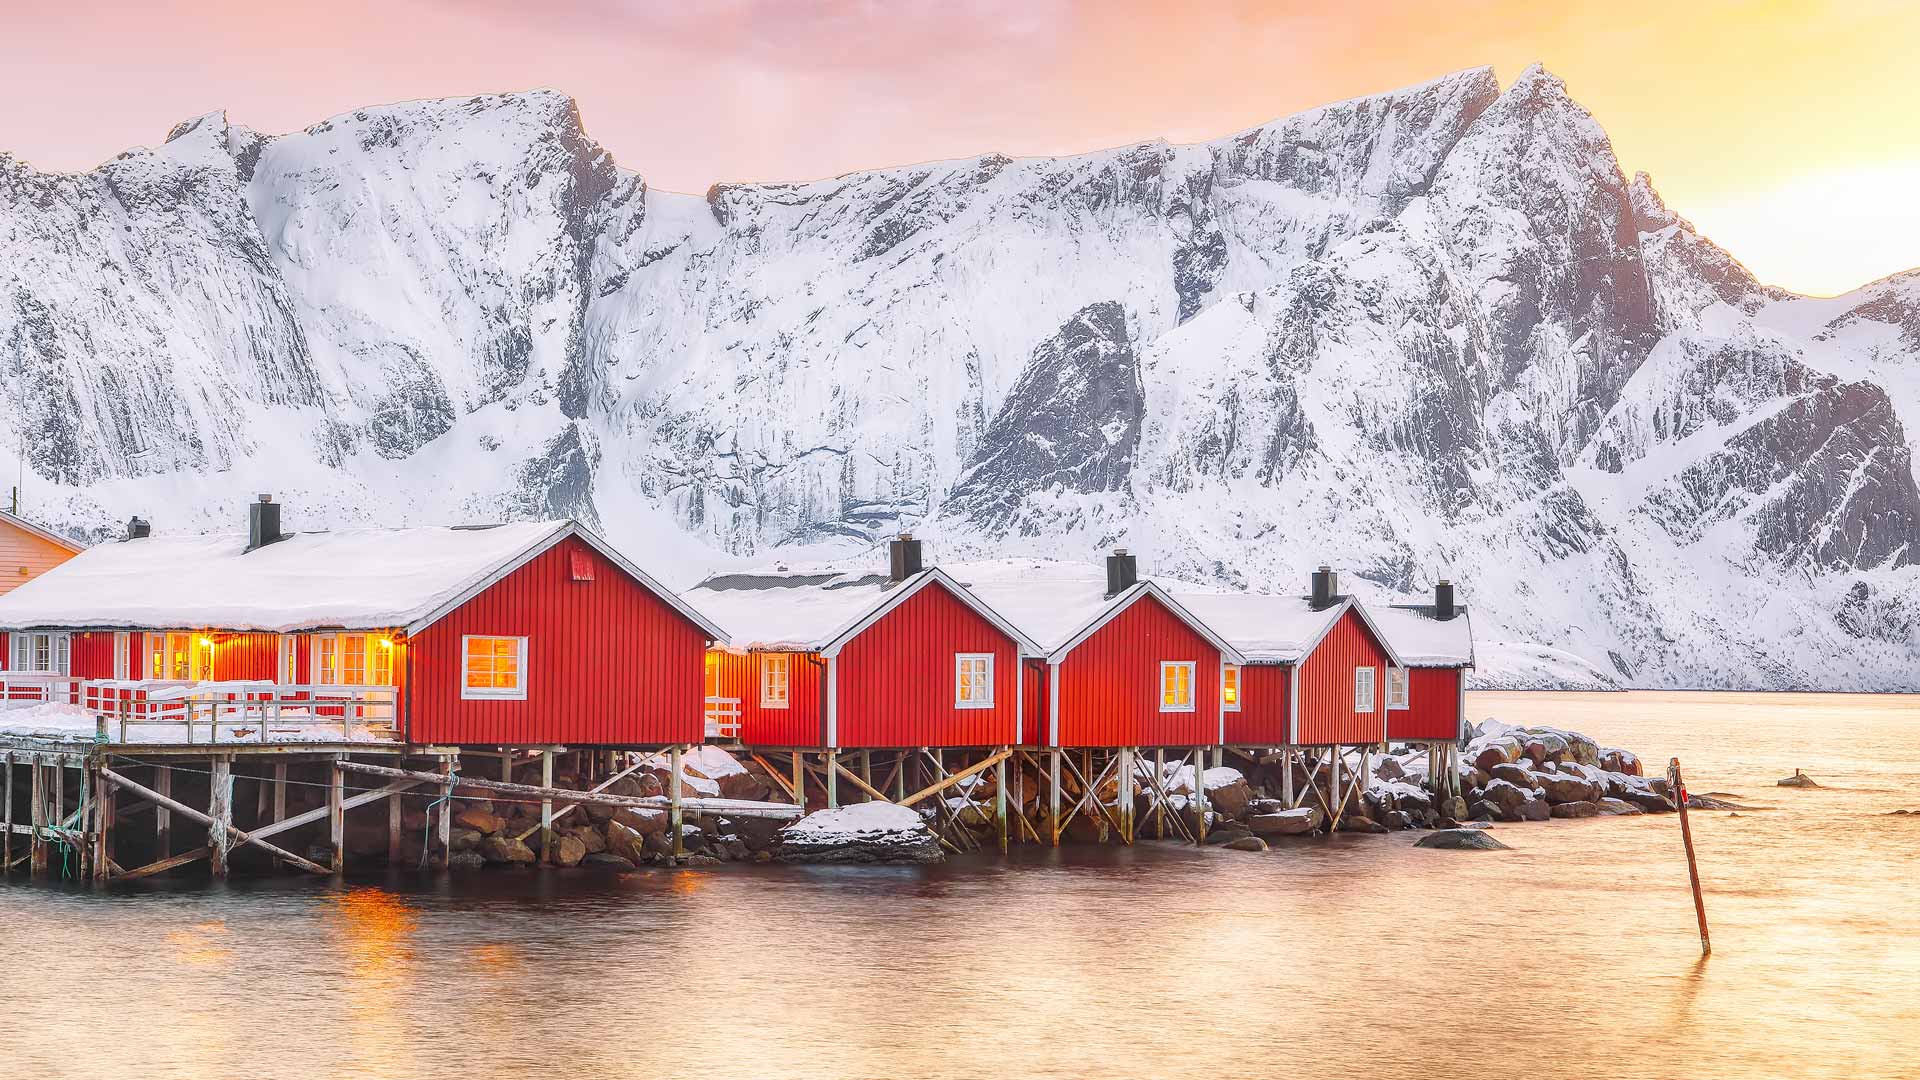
1427, 698
1126, 663
522, 634
830, 661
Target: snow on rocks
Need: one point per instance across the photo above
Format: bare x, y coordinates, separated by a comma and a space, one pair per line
871, 832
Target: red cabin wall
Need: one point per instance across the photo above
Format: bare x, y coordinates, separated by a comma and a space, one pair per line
1326, 687
250, 657
608, 662
801, 724
90, 655
1266, 694
896, 679
1034, 685
1110, 684
1433, 707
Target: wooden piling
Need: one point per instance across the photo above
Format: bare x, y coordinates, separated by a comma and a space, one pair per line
162, 816
1000, 799
393, 832
6, 841
220, 813
1679, 788
1160, 797
1123, 791
337, 816
833, 778
443, 813
36, 817
546, 805
1199, 796
673, 798
1053, 796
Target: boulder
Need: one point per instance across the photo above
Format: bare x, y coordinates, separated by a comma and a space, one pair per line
1296, 822
566, 850
1506, 798
624, 843
1618, 808
1397, 819
1579, 809
464, 840
1227, 834
1388, 768
1648, 801
1249, 842
644, 822
1563, 787
1227, 792
594, 839
1489, 756
1798, 779
505, 849
873, 832
466, 860
1360, 823
1461, 840
484, 822
1518, 775
1535, 809
607, 859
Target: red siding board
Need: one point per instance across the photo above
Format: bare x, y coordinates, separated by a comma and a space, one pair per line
802, 723
1266, 695
896, 679
1035, 726
246, 656
1326, 687
1433, 707
608, 662
90, 655
1110, 683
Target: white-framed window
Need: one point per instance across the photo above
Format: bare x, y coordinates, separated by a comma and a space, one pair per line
46, 654
353, 660
1396, 688
493, 667
1176, 685
289, 659
973, 680
1363, 690
1230, 687
122, 655
773, 680
178, 657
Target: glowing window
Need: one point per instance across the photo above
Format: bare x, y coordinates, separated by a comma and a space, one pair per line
773, 680
1230, 687
495, 667
1176, 686
973, 680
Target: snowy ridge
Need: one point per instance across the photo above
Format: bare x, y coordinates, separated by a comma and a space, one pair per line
1429, 333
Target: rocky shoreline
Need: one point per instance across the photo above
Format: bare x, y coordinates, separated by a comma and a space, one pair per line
1508, 774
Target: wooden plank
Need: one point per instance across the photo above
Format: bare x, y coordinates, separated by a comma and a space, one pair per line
723, 807
857, 781
989, 762
161, 866
597, 788
774, 775
233, 833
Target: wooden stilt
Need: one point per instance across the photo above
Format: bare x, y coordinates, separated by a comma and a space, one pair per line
220, 802
866, 769
673, 796
1124, 790
1000, 801
1159, 803
279, 797
546, 805
6, 840
393, 831
1199, 796
1053, 797
1339, 802
162, 816
900, 776
833, 778
337, 817
208, 820
443, 813
36, 817
108, 808
1678, 786
1286, 777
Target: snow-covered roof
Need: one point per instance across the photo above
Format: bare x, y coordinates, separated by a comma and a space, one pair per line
353, 579
1265, 627
820, 610
1060, 604
48, 535
1423, 640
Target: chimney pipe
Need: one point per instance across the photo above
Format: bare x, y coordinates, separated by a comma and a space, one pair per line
1326, 588
903, 557
1443, 600
139, 529
263, 523
1122, 572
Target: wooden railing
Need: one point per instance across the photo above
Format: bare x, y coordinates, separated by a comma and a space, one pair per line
723, 718
156, 710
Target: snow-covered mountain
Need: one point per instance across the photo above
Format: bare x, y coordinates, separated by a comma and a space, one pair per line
1430, 333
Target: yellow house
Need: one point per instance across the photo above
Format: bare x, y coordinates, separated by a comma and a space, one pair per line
27, 551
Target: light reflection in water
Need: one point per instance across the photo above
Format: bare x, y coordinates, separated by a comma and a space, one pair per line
1572, 955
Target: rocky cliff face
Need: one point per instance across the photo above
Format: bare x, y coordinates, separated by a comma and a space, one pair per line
1429, 333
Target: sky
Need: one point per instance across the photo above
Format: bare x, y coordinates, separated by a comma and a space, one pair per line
1787, 132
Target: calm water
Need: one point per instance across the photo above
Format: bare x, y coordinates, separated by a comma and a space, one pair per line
1574, 955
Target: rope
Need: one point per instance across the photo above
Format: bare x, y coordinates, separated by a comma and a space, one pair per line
426, 834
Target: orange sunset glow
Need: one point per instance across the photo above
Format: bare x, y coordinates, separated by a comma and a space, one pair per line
1784, 130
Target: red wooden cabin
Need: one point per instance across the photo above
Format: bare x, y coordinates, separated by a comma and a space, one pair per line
833, 661
1127, 664
1427, 701
1318, 667
523, 634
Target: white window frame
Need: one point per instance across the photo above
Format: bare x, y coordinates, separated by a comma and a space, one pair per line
475, 693
287, 668
374, 654
1191, 667
1400, 685
767, 698
1365, 690
24, 645
122, 654
1239, 688
960, 663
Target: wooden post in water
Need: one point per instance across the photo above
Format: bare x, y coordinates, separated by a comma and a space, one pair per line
220, 813
6, 839
1679, 788
674, 815
1000, 801
546, 805
337, 816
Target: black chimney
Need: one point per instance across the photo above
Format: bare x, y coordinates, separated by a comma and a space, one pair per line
903, 555
1326, 588
139, 529
1443, 600
1122, 572
263, 523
